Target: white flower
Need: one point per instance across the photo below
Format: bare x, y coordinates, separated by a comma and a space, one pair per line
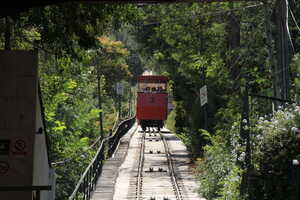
294, 129
295, 162
245, 121
260, 127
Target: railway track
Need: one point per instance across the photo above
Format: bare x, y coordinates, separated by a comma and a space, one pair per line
139, 185
156, 177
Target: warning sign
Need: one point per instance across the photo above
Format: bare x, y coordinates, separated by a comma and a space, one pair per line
120, 89
19, 147
203, 95
4, 167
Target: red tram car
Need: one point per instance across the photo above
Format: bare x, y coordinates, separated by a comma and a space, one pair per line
152, 101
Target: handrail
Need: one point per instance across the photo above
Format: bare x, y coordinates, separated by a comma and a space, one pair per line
88, 179
116, 122
90, 147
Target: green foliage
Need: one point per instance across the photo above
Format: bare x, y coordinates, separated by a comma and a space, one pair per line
70, 95
112, 61
231, 185
170, 122
278, 143
191, 48
218, 171
199, 44
295, 67
221, 45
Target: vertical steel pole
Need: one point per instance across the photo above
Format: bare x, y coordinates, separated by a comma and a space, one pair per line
120, 107
245, 135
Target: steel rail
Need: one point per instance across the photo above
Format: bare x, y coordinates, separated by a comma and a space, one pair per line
171, 169
139, 185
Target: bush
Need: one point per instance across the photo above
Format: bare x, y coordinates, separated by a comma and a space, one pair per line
278, 144
217, 172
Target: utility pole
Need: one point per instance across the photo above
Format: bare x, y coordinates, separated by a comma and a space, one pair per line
100, 99
277, 32
120, 92
282, 46
204, 107
246, 185
271, 64
120, 106
233, 42
130, 102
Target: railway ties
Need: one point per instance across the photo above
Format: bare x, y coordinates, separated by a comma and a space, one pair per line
157, 167
156, 178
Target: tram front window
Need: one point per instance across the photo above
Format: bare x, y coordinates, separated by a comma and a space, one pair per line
152, 87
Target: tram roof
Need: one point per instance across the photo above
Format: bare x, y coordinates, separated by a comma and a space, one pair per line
152, 78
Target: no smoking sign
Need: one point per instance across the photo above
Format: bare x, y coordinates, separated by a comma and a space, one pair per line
19, 147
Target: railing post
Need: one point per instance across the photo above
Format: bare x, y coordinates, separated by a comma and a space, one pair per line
84, 188
87, 186
89, 182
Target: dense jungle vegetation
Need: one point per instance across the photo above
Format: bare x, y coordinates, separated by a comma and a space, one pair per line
80, 61
242, 145
245, 147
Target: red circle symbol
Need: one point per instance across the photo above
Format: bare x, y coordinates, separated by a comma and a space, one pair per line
20, 145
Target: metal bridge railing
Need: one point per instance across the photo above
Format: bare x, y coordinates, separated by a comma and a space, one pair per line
88, 180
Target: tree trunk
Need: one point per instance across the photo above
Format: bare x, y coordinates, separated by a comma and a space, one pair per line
233, 39
278, 46
271, 64
100, 102
282, 49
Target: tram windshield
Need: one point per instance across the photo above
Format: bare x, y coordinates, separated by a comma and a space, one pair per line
152, 87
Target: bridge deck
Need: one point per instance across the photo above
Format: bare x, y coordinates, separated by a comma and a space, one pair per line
106, 183
118, 180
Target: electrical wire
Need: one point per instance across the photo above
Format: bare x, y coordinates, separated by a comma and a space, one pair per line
287, 27
294, 19
209, 14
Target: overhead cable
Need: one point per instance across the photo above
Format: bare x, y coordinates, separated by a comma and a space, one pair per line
287, 27
210, 13
294, 19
